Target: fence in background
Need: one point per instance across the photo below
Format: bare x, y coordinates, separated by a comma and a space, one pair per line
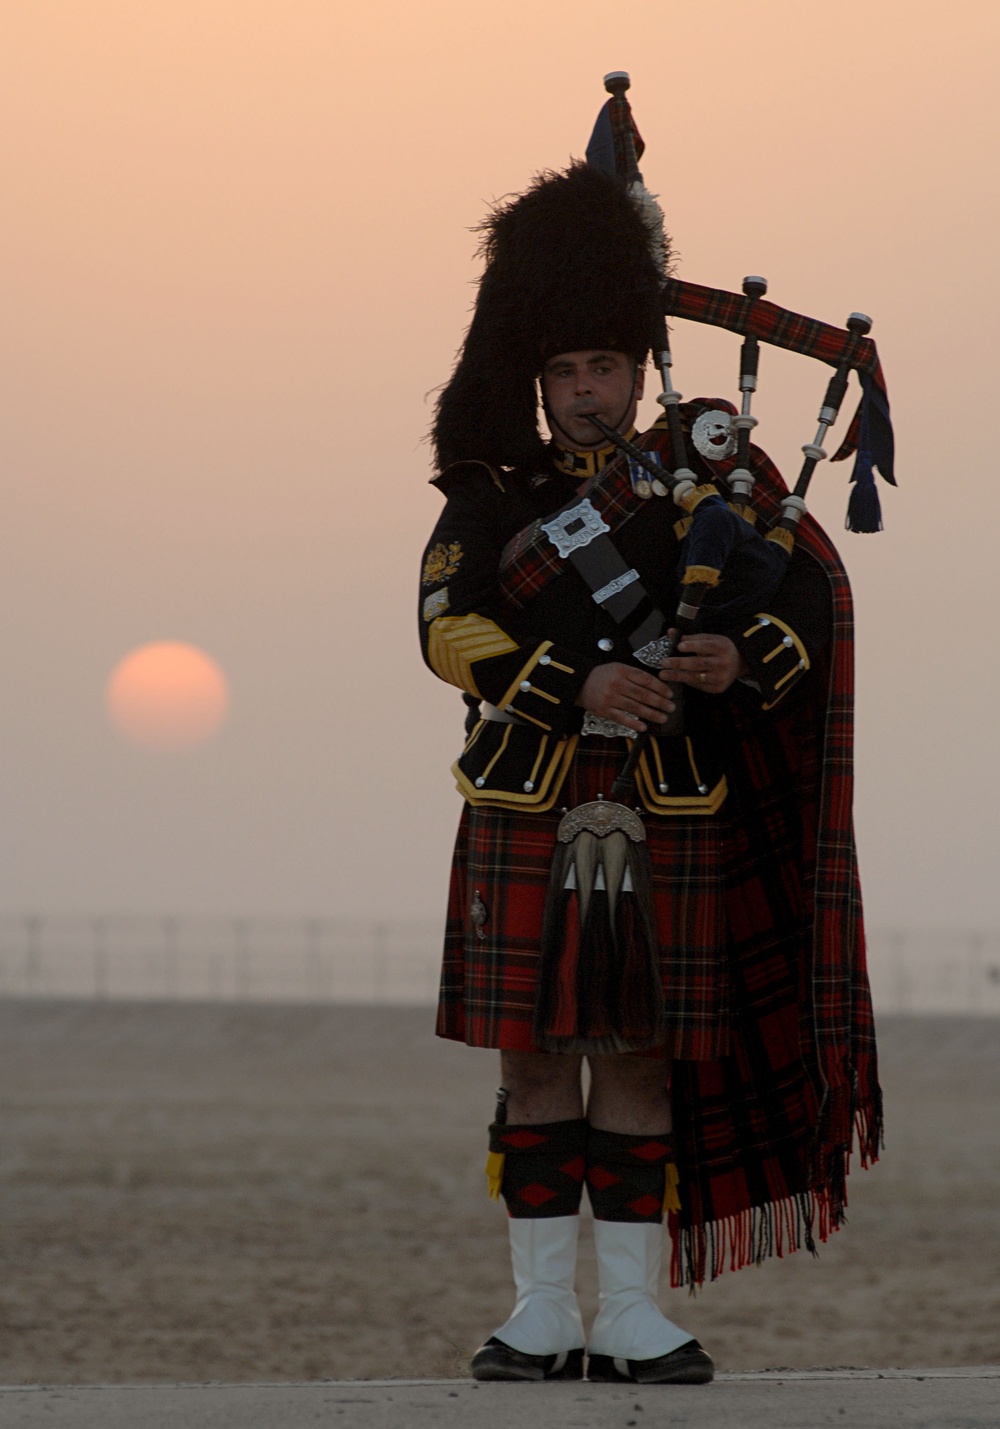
220, 959
249, 959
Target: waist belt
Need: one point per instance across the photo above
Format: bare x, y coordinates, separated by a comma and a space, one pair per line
592, 724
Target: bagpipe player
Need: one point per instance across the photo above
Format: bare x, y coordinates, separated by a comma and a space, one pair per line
696, 946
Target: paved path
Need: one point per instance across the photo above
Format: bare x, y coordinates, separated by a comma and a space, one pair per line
802, 1399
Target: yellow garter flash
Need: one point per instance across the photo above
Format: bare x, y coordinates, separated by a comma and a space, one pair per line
781, 537
442, 561
701, 575
494, 1174
671, 1195
456, 642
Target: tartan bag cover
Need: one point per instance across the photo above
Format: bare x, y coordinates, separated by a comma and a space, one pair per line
794, 331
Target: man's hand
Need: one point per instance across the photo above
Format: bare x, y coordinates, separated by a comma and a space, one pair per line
711, 663
629, 696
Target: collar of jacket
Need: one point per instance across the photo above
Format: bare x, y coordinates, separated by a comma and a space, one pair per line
587, 463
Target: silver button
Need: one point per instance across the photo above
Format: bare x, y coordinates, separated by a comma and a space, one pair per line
528, 786
545, 659
663, 788
764, 620
525, 685
702, 788
802, 664
788, 640
509, 709
480, 782
605, 644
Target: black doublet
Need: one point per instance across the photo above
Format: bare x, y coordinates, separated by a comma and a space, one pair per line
532, 663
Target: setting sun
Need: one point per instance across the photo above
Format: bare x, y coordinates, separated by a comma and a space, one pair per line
167, 696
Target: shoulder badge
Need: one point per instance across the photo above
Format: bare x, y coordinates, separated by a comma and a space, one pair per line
442, 561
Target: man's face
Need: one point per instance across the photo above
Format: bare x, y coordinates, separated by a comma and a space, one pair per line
575, 383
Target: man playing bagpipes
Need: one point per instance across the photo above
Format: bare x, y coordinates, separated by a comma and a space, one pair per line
655, 869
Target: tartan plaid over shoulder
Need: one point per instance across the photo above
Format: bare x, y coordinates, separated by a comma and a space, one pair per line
803, 1072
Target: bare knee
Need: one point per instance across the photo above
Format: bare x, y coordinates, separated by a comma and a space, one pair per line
542, 1086
630, 1094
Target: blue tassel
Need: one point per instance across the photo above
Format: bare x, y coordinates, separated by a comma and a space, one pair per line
864, 511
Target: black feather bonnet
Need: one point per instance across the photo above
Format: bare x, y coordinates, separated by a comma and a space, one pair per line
568, 268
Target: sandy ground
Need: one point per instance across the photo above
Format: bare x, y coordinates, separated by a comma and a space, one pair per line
244, 1193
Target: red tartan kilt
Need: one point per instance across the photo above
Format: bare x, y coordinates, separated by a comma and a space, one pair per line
490, 976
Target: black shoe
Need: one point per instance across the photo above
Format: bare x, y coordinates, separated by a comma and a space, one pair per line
688, 1364
495, 1360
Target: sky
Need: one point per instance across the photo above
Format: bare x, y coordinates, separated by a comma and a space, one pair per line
236, 264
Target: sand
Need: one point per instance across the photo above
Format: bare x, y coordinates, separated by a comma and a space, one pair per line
195, 1192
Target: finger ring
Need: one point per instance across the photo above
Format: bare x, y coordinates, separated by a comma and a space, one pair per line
702, 675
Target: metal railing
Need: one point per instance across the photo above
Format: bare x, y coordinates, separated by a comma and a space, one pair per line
924, 970
238, 959
247, 959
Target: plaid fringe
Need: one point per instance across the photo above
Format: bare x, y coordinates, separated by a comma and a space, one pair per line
705, 1250
749, 1237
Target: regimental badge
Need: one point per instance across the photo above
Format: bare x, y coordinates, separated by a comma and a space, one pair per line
442, 562
713, 436
435, 604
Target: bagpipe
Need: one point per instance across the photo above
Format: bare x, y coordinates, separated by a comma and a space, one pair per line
600, 888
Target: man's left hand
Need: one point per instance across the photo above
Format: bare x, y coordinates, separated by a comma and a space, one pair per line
710, 663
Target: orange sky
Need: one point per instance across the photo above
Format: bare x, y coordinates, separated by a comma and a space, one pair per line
236, 261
